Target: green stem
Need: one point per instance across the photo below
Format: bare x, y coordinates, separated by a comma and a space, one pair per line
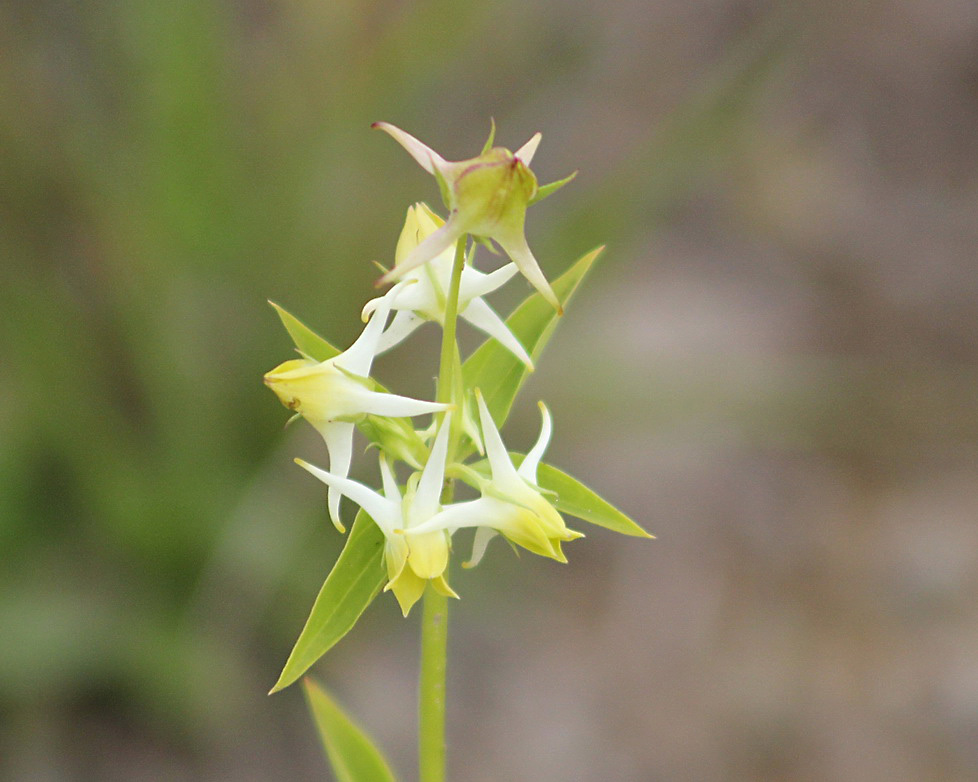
434, 645
434, 623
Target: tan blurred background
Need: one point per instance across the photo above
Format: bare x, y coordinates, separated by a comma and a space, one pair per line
773, 368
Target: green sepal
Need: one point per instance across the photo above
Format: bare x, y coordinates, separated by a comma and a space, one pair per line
306, 340
350, 587
352, 754
569, 495
492, 136
549, 189
498, 372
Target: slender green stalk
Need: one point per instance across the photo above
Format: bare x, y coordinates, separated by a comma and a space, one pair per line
434, 645
434, 623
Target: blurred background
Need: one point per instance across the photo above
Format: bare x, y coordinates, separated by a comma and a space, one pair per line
773, 368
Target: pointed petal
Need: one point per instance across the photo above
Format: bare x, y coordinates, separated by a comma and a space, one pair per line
427, 158
433, 245
474, 513
517, 249
528, 467
379, 403
528, 150
440, 585
384, 512
407, 588
479, 545
339, 442
477, 284
483, 317
391, 492
499, 461
426, 499
518, 524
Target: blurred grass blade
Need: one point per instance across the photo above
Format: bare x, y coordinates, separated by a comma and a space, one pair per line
498, 372
307, 340
351, 753
350, 587
576, 499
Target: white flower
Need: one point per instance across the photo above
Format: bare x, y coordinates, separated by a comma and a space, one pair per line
511, 502
412, 558
426, 299
333, 394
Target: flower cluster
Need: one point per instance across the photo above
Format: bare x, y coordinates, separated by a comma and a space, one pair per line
435, 280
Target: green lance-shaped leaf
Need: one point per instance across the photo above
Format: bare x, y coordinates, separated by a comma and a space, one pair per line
496, 370
352, 754
576, 499
350, 587
569, 495
306, 340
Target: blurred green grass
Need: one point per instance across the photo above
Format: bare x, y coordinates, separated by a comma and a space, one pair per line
167, 168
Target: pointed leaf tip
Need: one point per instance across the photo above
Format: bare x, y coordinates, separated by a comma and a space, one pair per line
350, 587
352, 754
304, 338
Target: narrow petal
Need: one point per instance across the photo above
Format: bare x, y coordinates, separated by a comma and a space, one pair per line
339, 442
407, 588
474, 513
529, 149
426, 499
432, 246
379, 403
518, 524
427, 157
391, 492
477, 284
517, 249
483, 317
384, 512
528, 468
499, 461
479, 545
441, 586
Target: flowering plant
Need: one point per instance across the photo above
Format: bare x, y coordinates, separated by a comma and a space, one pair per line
403, 535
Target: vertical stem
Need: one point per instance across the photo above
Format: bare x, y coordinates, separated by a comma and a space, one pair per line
434, 622
434, 644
